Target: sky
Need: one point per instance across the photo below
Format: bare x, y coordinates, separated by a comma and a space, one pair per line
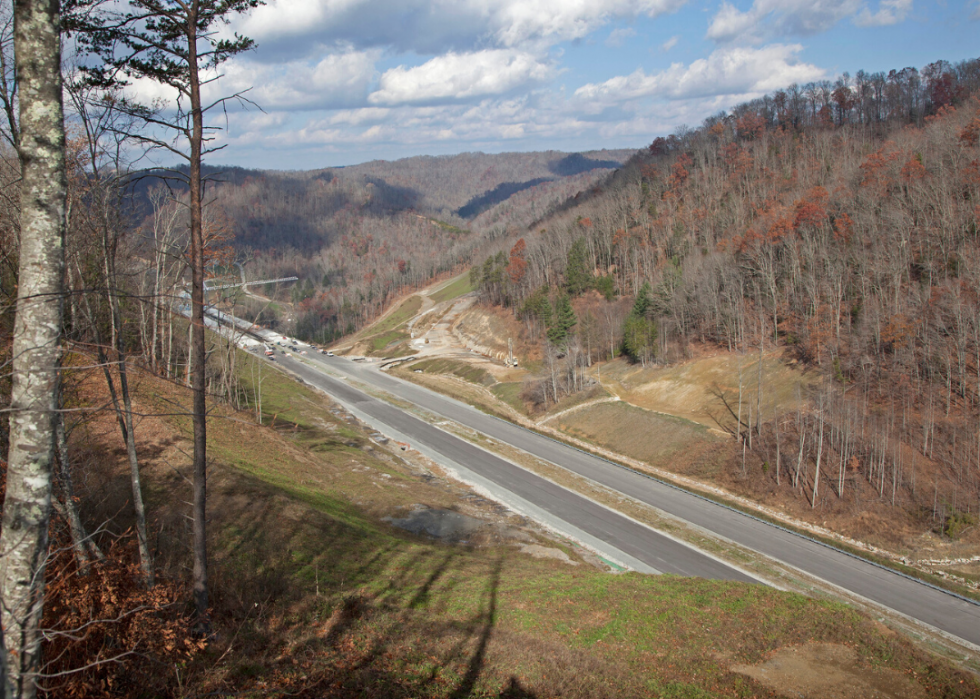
340, 82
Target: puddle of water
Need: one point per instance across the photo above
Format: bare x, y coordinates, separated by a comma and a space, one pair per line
441, 524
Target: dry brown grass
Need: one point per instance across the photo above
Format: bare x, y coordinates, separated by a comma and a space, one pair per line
314, 596
689, 389
663, 441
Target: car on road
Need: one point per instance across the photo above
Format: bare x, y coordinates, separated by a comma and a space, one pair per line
331, 354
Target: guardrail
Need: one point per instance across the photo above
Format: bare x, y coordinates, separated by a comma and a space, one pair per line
257, 281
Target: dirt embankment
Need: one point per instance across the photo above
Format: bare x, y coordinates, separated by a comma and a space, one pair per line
679, 420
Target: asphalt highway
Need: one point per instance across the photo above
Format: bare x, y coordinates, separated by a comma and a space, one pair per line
949, 613
659, 552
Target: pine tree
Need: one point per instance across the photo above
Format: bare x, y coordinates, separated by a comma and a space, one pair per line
538, 307
640, 330
176, 44
563, 321
578, 278
644, 301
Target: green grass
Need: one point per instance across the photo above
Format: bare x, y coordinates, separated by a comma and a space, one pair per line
574, 399
399, 316
314, 595
390, 329
449, 227
459, 286
379, 342
663, 441
510, 393
462, 370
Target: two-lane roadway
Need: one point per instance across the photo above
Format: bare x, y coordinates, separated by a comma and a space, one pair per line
944, 611
654, 551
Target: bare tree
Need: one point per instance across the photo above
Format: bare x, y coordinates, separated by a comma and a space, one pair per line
37, 346
175, 43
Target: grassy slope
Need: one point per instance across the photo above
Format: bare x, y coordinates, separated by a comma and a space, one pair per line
462, 370
391, 328
454, 289
656, 439
316, 596
690, 389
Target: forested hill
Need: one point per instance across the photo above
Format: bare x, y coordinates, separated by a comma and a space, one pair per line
839, 220
445, 185
285, 209
357, 235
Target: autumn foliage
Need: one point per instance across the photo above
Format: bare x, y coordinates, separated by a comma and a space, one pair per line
835, 221
105, 634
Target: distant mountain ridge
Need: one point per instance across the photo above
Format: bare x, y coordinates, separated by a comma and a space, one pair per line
448, 184
357, 235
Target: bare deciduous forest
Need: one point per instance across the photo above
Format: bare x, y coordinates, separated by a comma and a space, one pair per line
837, 221
358, 236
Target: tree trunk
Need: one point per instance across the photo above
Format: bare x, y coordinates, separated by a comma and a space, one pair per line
758, 397
738, 419
170, 342
125, 413
197, 350
816, 474
37, 347
775, 427
799, 457
79, 537
146, 557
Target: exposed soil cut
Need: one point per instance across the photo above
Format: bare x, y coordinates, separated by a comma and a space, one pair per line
828, 671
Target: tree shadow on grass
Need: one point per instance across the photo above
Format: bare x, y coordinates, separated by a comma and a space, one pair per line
310, 605
402, 633
487, 619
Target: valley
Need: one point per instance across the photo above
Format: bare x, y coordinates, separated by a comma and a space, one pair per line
518, 386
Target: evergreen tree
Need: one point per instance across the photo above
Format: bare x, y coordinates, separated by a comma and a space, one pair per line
538, 307
644, 300
606, 286
179, 45
564, 320
639, 336
640, 330
578, 276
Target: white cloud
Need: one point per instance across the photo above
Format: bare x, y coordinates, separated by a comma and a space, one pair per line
889, 12
731, 23
669, 44
731, 71
516, 22
772, 18
461, 77
437, 26
490, 121
336, 80
617, 37
356, 117
976, 11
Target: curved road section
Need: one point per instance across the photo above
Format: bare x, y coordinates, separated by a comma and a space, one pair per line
949, 613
